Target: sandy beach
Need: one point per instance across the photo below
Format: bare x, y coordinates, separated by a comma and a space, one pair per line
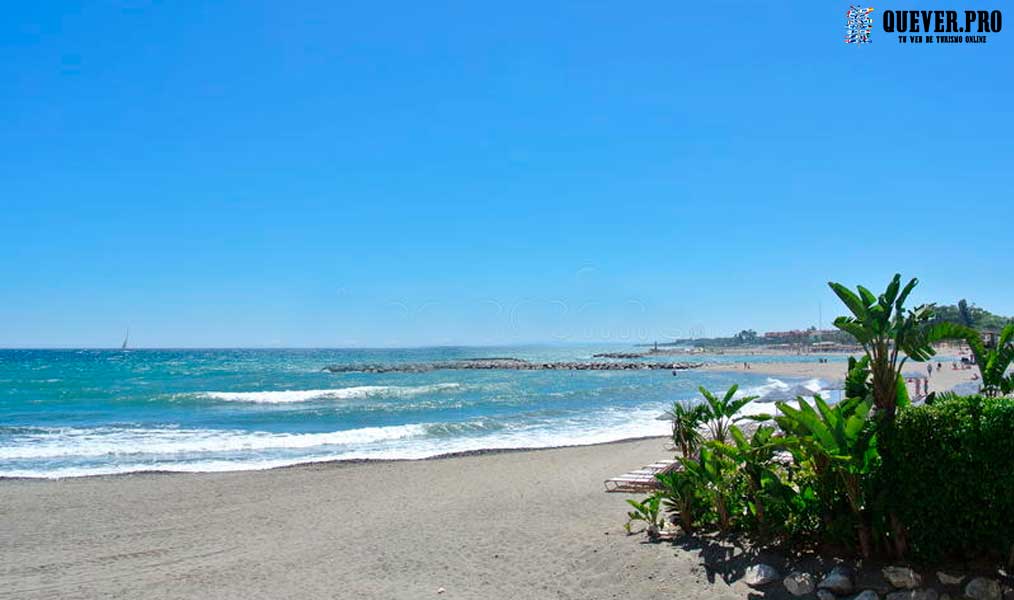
940, 381
518, 524
533, 524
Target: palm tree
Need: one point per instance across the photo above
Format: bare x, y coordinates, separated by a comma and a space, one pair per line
687, 420
889, 335
721, 412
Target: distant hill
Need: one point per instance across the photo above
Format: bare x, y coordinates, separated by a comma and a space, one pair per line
971, 316
962, 313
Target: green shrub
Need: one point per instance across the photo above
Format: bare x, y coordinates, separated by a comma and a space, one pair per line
948, 477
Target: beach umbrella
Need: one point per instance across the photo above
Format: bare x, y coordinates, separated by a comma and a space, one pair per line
785, 395
968, 388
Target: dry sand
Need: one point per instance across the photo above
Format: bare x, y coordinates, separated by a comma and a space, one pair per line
533, 524
940, 381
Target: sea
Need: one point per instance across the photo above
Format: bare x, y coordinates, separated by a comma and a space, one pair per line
69, 413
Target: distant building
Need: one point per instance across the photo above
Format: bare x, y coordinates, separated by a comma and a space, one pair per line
799, 333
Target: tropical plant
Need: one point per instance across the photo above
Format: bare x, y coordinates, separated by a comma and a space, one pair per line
647, 510
687, 421
886, 331
679, 496
709, 472
857, 381
836, 441
722, 412
993, 362
755, 457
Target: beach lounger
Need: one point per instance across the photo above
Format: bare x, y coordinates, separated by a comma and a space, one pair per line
640, 480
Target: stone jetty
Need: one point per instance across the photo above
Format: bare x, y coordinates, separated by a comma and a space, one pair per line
512, 364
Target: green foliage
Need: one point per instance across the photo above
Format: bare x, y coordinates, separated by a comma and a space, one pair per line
746, 336
647, 510
680, 491
929, 481
993, 362
687, 421
948, 476
755, 458
970, 315
709, 471
857, 381
840, 448
721, 413
888, 333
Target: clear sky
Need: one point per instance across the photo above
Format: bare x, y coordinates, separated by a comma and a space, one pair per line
331, 174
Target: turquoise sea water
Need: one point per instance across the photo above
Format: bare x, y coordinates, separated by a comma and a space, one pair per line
84, 412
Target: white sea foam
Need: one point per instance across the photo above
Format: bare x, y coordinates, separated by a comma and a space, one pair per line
110, 451
119, 442
362, 391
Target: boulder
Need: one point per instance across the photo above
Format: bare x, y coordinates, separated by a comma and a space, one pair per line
837, 581
949, 579
760, 575
984, 588
866, 595
799, 583
825, 595
902, 577
922, 594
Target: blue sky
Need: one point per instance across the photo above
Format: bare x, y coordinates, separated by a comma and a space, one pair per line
329, 174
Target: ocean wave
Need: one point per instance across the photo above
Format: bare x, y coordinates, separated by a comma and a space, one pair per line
77, 452
357, 392
115, 442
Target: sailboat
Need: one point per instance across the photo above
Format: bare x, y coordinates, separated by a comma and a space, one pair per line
125, 338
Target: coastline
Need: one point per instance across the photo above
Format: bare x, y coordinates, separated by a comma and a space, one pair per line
339, 462
526, 524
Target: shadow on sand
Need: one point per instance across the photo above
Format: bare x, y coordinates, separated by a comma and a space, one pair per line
728, 558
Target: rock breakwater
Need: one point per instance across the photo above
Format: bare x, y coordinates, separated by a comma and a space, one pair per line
512, 364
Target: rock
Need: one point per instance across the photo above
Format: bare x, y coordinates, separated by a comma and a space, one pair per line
923, 594
902, 577
948, 579
983, 588
945, 596
838, 581
799, 583
866, 595
825, 595
760, 575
